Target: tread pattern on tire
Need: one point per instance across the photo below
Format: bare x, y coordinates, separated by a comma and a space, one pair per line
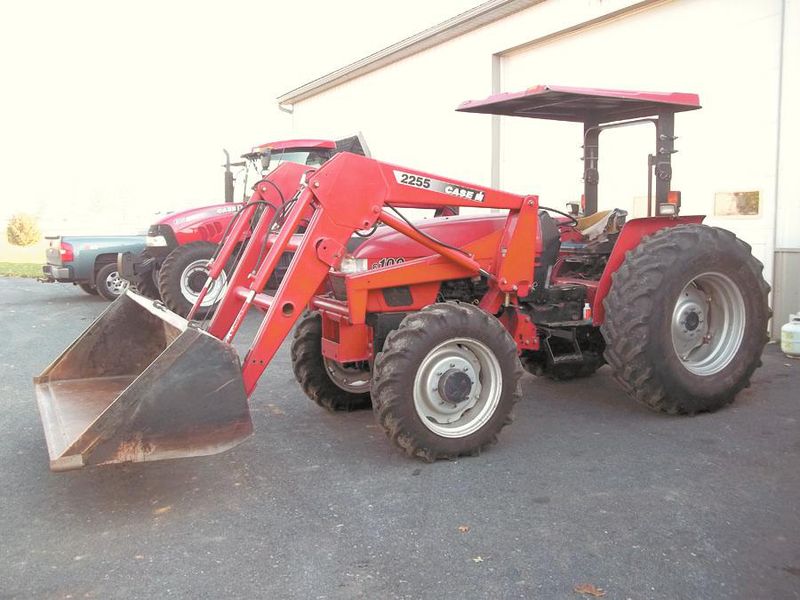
145, 285
636, 287
391, 371
309, 369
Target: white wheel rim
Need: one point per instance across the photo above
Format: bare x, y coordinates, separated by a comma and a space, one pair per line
115, 284
708, 323
191, 282
463, 418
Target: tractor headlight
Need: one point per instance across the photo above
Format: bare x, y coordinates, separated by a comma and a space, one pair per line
157, 241
667, 210
353, 265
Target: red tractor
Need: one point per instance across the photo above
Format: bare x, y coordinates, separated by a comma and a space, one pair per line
173, 266
429, 322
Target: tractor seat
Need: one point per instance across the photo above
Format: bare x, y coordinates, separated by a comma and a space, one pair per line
586, 222
603, 222
598, 232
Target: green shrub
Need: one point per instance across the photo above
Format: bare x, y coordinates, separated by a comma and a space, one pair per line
23, 230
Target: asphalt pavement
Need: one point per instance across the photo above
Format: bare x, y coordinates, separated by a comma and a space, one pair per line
585, 487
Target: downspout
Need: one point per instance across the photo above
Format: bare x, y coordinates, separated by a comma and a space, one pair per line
495, 146
774, 234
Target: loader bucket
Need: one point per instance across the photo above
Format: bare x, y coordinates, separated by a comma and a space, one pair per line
141, 384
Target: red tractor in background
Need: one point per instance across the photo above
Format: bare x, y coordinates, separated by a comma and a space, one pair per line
172, 268
430, 323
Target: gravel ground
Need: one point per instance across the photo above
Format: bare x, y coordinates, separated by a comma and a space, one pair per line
585, 487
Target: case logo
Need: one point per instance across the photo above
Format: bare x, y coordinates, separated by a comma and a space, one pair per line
437, 185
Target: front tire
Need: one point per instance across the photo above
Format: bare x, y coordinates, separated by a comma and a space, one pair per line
327, 384
686, 319
182, 276
108, 282
446, 381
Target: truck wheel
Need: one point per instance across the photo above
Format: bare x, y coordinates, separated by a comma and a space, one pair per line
182, 276
88, 288
331, 385
686, 319
108, 282
446, 381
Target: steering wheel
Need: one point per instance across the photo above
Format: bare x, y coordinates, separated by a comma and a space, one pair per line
573, 220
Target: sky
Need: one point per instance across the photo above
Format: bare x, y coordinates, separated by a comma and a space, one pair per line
112, 111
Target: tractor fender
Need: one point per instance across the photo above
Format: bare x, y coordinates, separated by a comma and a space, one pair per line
631, 235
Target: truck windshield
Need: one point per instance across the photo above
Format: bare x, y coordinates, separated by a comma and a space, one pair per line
312, 157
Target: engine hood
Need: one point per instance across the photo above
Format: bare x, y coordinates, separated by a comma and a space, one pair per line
181, 219
386, 243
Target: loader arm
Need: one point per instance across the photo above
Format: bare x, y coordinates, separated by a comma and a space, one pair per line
350, 193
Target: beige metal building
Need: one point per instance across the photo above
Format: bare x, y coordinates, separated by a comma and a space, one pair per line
741, 56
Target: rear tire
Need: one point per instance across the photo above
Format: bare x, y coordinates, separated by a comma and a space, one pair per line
182, 276
312, 371
686, 319
446, 381
108, 282
88, 288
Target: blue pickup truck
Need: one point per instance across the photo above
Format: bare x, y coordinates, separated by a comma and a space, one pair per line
89, 262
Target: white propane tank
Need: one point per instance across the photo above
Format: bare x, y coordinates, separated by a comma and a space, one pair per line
790, 337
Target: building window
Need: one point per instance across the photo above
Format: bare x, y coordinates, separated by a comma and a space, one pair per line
736, 204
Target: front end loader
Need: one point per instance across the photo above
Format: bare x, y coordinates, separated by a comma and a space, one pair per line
430, 323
